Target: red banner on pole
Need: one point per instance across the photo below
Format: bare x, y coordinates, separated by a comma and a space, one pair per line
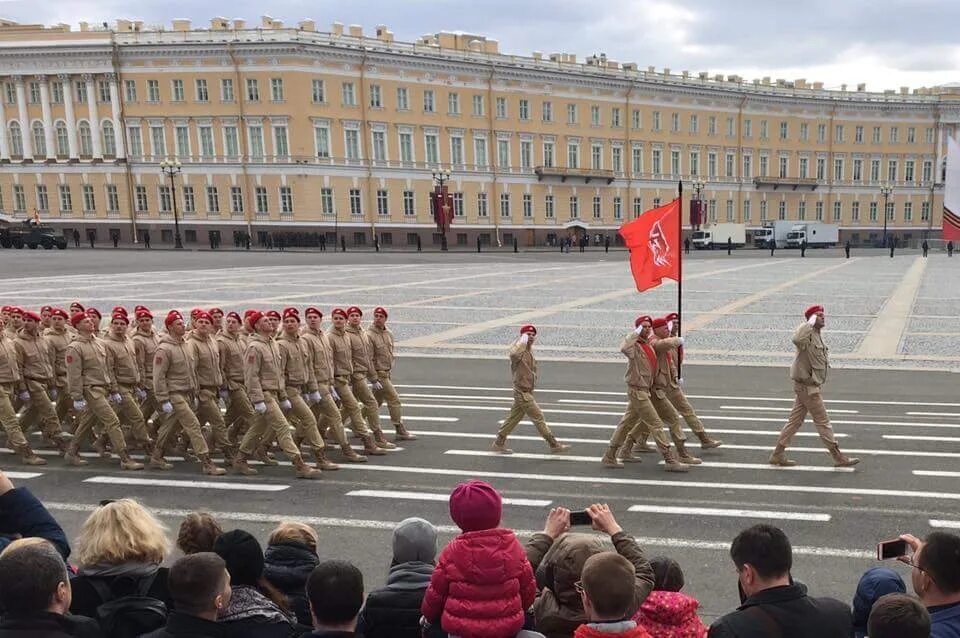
654, 243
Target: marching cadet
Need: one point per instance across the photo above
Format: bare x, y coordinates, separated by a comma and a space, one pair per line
523, 365
364, 380
641, 415
275, 320
675, 390
809, 373
301, 386
175, 385
325, 407
205, 357
381, 344
10, 381
145, 341
37, 379
239, 409
341, 346
45, 312
97, 319
126, 388
14, 322
58, 337
216, 316
88, 382
263, 377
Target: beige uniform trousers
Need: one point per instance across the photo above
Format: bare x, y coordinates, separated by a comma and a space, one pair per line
40, 412
679, 401
8, 418
640, 418
363, 393
150, 409
808, 399
131, 418
669, 416
301, 418
525, 405
329, 421
350, 407
239, 413
99, 412
65, 412
182, 418
389, 396
272, 423
208, 411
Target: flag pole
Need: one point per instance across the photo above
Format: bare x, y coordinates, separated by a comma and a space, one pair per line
680, 273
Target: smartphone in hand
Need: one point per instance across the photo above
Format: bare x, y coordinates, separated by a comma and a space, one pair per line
888, 550
580, 518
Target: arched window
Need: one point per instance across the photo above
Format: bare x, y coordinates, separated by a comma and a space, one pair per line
86, 140
109, 139
16, 140
39, 140
63, 140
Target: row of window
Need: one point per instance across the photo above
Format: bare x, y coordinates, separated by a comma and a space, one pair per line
33, 91
107, 139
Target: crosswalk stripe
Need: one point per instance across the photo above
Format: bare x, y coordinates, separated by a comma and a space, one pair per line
424, 496
731, 513
208, 485
596, 460
23, 476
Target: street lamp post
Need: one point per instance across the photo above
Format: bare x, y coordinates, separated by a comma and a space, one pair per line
698, 186
886, 189
172, 168
442, 177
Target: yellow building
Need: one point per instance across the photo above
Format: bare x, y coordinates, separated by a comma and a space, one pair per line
338, 133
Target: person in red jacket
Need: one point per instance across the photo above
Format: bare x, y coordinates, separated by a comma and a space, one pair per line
483, 582
667, 612
607, 589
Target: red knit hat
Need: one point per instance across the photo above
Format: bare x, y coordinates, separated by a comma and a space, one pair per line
812, 310
642, 319
380, 310
659, 322
122, 317
313, 311
172, 316
354, 309
528, 329
77, 318
339, 312
143, 314
291, 312
60, 312
29, 314
475, 506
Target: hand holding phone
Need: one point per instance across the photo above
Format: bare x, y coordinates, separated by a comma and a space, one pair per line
888, 550
581, 517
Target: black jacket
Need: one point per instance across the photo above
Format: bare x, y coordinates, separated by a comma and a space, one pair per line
786, 612
394, 611
287, 567
21, 513
184, 626
86, 600
49, 625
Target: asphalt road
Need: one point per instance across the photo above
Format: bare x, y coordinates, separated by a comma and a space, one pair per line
903, 425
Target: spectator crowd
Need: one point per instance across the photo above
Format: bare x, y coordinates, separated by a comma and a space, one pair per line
120, 580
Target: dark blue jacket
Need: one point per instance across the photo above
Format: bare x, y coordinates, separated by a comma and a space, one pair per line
945, 623
21, 513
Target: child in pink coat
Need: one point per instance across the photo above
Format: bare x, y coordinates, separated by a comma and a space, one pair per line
668, 613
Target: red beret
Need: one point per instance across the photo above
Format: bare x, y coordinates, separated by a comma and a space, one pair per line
46, 309
215, 311
812, 310
379, 310
77, 318
528, 329
248, 312
339, 312
121, 310
93, 311
6, 309
14, 310
313, 311
172, 316
59, 312
203, 314
354, 309
273, 314
143, 313
254, 316
195, 312
291, 312
140, 308
235, 315
291, 309
77, 304
672, 316
642, 319
28, 314
122, 317
659, 322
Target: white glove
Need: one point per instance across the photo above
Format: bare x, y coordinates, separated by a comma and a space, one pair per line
333, 393
80, 405
525, 338
261, 407
680, 382
639, 329
116, 398
812, 320
315, 396
54, 393
24, 396
285, 404
670, 326
141, 394
166, 407
224, 394
680, 339
377, 385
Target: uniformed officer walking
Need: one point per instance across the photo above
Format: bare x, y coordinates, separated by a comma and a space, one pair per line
145, 341
126, 388
809, 373
523, 366
205, 355
364, 380
35, 358
58, 337
10, 383
234, 393
381, 341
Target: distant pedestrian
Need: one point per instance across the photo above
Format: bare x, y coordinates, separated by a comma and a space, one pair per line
926, 247
323, 243
419, 244
213, 242
772, 245
846, 248
606, 244
343, 244
686, 246
76, 238
893, 246
803, 248
729, 245
92, 237
146, 238
949, 249
115, 236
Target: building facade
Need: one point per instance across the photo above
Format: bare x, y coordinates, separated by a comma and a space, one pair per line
338, 134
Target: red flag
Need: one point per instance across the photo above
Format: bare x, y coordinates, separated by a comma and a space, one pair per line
654, 243
951, 225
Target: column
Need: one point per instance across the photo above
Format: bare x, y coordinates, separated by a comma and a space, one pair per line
71, 118
94, 118
118, 131
4, 145
25, 131
48, 130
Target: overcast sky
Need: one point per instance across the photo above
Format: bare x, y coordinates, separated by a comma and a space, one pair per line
885, 43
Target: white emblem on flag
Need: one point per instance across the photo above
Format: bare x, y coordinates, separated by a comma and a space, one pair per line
659, 246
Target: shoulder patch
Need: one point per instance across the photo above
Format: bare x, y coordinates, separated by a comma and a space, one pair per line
252, 358
69, 358
158, 359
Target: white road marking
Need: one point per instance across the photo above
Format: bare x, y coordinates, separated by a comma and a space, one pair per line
731, 513
22, 476
207, 485
950, 414
424, 496
696, 468
944, 524
913, 437
936, 473
871, 452
886, 333
389, 526
779, 409
601, 426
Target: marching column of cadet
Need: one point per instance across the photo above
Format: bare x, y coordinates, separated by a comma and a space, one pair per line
130, 387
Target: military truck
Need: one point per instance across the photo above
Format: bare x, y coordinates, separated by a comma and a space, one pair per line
31, 234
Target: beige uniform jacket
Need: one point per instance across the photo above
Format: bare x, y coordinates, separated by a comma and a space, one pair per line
341, 347
666, 377
381, 346
231, 360
9, 368
86, 366
173, 369
58, 342
360, 350
523, 366
205, 352
640, 370
320, 355
296, 357
33, 356
122, 361
145, 345
263, 371
811, 364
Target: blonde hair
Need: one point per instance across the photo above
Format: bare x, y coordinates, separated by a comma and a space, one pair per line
291, 531
24, 542
121, 532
